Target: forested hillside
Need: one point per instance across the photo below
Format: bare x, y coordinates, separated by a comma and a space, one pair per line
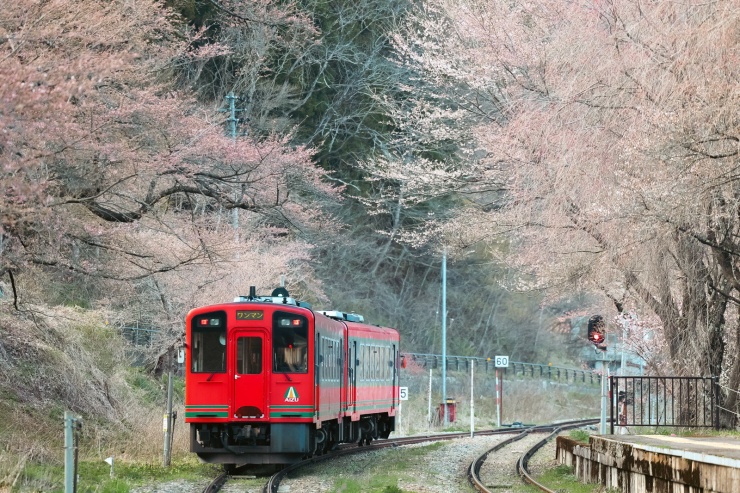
568, 157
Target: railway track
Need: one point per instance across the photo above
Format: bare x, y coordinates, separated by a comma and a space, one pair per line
521, 465
274, 481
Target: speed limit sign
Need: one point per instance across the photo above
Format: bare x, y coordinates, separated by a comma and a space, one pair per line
501, 361
403, 393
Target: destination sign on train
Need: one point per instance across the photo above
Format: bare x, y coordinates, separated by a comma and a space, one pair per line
250, 315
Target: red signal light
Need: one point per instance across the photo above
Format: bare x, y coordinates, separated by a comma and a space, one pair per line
596, 331
296, 322
203, 321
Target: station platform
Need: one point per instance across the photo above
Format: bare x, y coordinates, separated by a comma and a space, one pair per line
719, 450
655, 463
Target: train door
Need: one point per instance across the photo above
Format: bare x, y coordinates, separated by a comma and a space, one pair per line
352, 378
250, 378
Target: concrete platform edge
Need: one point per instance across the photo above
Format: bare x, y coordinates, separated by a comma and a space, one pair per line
641, 468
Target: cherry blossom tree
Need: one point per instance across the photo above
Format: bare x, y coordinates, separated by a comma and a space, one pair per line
610, 133
110, 172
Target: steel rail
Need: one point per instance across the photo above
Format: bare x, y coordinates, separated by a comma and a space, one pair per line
521, 465
273, 483
350, 449
475, 466
216, 485
554, 429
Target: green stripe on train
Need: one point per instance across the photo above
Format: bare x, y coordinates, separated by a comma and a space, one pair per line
206, 414
291, 415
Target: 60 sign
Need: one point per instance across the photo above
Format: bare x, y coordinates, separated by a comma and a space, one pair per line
501, 361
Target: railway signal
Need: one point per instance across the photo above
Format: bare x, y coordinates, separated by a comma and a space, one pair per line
597, 332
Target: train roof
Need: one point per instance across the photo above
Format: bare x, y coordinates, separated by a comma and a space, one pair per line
281, 297
355, 328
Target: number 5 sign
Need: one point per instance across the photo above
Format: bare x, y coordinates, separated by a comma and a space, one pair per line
403, 393
501, 361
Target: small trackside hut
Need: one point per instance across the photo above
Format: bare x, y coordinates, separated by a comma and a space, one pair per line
271, 381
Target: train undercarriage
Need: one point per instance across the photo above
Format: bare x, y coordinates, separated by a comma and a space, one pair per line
282, 443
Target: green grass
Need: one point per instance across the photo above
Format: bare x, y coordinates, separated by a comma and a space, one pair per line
149, 390
94, 476
685, 432
579, 435
561, 478
375, 485
382, 473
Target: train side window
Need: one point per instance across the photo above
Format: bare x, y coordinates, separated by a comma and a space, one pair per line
334, 360
384, 363
363, 361
334, 351
371, 361
366, 362
334, 365
330, 357
249, 355
391, 362
340, 360
388, 364
208, 343
376, 357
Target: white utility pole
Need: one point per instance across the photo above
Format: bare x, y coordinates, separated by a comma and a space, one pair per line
604, 396
444, 338
429, 398
472, 399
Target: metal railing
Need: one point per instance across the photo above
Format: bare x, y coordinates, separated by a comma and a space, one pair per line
139, 336
145, 336
685, 402
515, 368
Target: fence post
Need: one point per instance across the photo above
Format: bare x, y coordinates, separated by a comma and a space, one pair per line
715, 398
72, 425
168, 421
611, 402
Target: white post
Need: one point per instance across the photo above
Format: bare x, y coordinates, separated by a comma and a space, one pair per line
69, 453
446, 418
398, 417
472, 399
498, 402
429, 398
110, 461
604, 397
72, 427
167, 421
625, 325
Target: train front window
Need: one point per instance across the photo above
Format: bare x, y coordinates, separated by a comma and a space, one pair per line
208, 343
289, 343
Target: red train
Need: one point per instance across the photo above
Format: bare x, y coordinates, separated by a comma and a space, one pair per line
270, 381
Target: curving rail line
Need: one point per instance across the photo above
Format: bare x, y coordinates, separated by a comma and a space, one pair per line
554, 429
348, 449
